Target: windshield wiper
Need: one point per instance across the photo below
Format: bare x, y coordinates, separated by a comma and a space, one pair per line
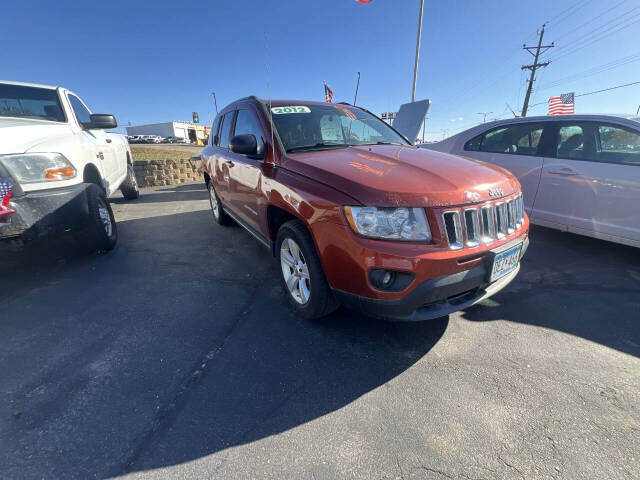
383, 143
317, 146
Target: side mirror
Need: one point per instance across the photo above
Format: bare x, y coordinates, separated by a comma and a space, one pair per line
101, 121
247, 145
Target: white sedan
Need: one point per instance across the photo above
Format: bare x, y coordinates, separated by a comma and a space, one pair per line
579, 173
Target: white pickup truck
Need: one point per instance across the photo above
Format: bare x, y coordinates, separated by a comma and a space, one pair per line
58, 166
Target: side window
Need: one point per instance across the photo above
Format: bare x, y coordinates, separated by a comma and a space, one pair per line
225, 130
82, 114
520, 139
214, 131
618, 145
571, 143
473, 145
246, 124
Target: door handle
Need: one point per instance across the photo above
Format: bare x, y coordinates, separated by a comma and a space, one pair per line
563, 171
108, 140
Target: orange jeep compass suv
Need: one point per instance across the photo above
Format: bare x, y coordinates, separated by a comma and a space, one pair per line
357, 215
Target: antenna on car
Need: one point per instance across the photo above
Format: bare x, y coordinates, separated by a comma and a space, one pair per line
266, 64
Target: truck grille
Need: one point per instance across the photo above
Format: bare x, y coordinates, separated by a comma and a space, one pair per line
473, 226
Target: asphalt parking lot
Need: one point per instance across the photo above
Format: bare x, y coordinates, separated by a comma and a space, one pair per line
177, 356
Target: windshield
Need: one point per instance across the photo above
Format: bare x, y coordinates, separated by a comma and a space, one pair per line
318, 127
30, 102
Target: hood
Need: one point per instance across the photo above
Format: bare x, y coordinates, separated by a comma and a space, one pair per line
19, 135
390, 175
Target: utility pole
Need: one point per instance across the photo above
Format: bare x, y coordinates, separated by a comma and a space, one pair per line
539, 49
215, 101
484, 116
415, 66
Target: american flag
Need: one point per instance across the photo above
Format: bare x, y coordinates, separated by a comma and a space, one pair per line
328, 93
5, 195
562, 104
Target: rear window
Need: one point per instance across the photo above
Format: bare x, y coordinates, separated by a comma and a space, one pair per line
30, 102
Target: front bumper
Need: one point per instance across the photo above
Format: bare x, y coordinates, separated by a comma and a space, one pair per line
46, 212
436, 297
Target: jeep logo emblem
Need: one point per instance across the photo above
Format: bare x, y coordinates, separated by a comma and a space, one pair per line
496, 192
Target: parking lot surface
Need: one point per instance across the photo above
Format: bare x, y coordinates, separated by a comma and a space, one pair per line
176, 356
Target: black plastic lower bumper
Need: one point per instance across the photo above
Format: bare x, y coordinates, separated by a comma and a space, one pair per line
46, 212
436, 297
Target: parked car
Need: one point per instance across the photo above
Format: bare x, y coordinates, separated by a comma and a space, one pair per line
173, 139
151, 139
58, 166
579, 173
357, 215
135, 139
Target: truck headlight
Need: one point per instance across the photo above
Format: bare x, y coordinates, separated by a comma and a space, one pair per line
38, 167
389, 223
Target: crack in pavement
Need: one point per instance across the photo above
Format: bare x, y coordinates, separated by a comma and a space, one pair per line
167, 414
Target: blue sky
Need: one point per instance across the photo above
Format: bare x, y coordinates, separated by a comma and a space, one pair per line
155, 61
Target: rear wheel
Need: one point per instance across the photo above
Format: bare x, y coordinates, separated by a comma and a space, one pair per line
101, 232
219, 215
129, 187
303, 278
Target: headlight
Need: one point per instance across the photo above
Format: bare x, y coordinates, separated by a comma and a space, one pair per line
38, 167
399, 223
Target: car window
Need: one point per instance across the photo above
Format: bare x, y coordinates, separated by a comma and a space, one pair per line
82, 114
30, 102
618, 145
520, 139
571, 143
318, 127
473, 145
225, 130
214, 131
246, 124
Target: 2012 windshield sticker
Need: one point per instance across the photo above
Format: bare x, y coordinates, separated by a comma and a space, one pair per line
290, 109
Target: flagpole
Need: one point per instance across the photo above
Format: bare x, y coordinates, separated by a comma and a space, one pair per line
357, 86
415, 67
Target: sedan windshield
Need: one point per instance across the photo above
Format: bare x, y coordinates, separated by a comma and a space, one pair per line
319, 127
30, 102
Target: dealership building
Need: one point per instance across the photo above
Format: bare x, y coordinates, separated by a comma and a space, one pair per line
189, 130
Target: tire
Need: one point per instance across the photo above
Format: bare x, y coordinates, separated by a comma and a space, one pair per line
101, 232
129, 187
219, 215
303, 278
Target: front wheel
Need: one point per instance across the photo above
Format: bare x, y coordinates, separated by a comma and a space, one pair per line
302, 276
101, 232
129, 187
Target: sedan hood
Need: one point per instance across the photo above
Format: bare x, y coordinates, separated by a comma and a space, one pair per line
391, 175
19, 135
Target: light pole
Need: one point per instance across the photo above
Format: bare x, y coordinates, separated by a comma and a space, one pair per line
484, 116
415, 66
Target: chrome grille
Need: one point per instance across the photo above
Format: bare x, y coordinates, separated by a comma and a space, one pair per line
470, 227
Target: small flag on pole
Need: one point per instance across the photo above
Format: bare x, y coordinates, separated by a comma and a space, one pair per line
562, 104
328, 93
5, 195
363, 1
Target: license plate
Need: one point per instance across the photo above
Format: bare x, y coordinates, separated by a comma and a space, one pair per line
505, 262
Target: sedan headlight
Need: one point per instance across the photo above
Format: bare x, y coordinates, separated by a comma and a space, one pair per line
38, 167
395, 223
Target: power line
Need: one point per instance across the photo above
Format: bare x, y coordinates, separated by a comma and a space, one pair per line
595, 91
567, 12
597, 17
593, 71
595, 36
